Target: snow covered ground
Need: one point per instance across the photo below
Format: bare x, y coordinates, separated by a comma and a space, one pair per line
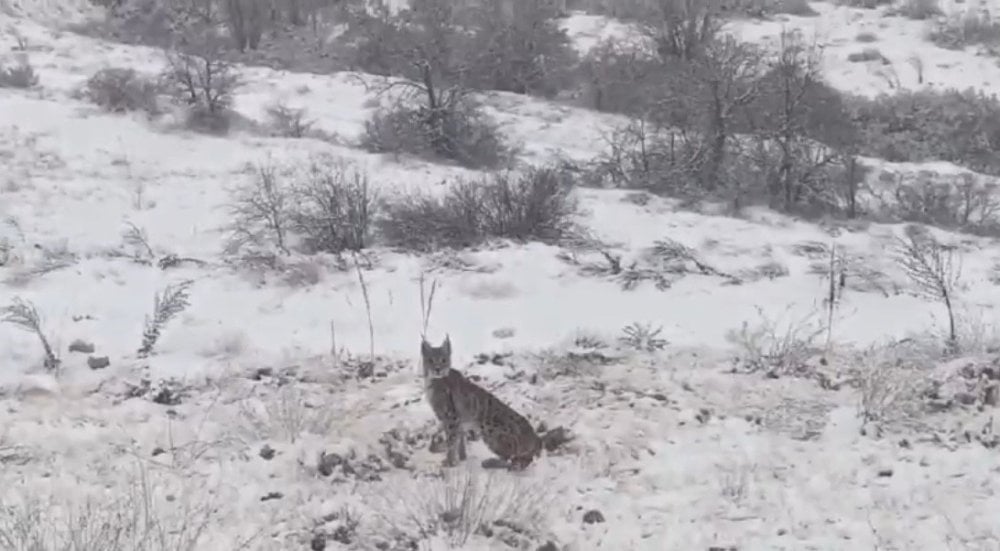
222, 449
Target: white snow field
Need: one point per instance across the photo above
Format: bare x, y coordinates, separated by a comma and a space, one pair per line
255, 430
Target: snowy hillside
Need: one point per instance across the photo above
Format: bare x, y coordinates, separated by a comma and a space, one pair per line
714, 396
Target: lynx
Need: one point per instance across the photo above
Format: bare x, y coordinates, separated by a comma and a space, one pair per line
462, 405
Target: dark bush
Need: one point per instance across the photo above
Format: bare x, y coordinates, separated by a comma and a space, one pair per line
333, 208
962, 127
457, 131
534, 205
119, 89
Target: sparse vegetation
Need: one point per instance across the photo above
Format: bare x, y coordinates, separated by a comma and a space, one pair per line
166, 305
775, 347
643, 336
22, 314
461, 505
138, 517
289, 122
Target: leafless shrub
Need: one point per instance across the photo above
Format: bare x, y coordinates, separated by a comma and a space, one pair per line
534, 205
643, 336
890, 387
20, 75
461, 504
23, 315
934, 268
334, 207
200, 77
120, 89
260, 212
166, 305
288, 122
777, 348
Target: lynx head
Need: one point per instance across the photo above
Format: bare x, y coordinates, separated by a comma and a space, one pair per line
436, 360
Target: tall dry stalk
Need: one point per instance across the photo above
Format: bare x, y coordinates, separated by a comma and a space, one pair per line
426, 304
831, 296
368, 307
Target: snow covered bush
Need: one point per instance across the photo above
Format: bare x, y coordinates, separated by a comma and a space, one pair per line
453, 128
121, 89
534, 205
973, 28
19, 75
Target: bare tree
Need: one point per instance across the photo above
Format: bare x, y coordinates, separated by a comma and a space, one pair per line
934, 269
713, 87
683, 28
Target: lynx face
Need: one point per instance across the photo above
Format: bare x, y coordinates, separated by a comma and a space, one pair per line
436, 360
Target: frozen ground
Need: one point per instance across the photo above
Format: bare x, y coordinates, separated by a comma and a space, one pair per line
673, 449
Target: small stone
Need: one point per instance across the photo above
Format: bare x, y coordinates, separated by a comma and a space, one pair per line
158, 451
495, 463
556, 438
548, 546
503, 333
98, 362
267, 452
328, 462
272, 495
885, 473
81, 346
318, 543
593, 516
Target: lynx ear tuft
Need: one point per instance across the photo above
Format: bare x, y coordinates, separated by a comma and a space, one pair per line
447, 344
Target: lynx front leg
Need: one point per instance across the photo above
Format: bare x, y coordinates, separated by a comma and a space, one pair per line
455, 444
461, 445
